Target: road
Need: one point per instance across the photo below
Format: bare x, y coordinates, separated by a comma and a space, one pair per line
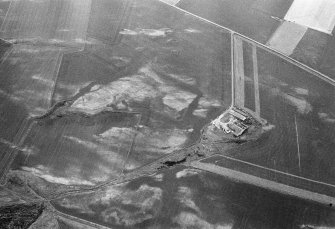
260, 182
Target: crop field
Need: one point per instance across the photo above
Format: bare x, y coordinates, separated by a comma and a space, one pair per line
78, 150
28, 74
249, 17
4, 5
73, 80
57, 22
107, 19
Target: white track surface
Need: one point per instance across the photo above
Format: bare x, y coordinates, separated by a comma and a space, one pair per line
315, 14
171, 2
287, 37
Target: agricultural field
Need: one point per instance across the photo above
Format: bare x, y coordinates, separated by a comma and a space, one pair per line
128, 103
113, 114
